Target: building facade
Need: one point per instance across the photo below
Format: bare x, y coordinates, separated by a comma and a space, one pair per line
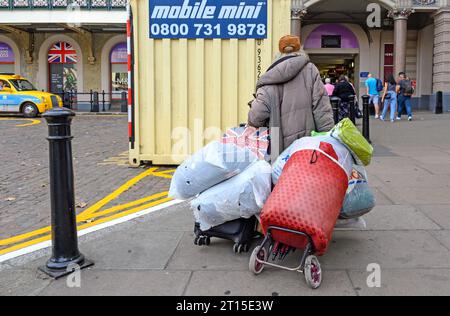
355, 38
66, 45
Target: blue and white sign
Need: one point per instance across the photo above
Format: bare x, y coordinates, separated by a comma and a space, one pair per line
208, 19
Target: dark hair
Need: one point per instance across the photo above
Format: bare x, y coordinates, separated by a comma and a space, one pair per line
391, 79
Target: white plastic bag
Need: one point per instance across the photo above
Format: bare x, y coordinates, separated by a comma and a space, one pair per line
242, 196
220, 160
213, 164
344, 155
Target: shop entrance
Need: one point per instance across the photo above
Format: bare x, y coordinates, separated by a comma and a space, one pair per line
333, 66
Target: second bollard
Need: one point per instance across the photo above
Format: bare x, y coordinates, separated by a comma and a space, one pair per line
65, 254
335, 101
366, 119
352, 110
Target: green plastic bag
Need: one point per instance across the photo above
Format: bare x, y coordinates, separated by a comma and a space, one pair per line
317, 134
349, 134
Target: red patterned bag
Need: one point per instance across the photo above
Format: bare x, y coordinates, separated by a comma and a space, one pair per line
308, 198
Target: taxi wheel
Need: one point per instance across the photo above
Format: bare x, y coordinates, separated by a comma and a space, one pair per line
30, 110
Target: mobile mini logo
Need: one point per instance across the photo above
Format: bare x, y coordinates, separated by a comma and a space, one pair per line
202, 11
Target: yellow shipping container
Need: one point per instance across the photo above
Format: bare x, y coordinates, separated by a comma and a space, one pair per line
187, 92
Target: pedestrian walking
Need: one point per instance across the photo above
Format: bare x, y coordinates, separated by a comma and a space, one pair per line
406, 91
390, 97
329, 87
344, 90
374, 86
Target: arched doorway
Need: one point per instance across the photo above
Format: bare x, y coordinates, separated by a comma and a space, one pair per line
7, 59
118, 73
119, 68
62, 68
335, 50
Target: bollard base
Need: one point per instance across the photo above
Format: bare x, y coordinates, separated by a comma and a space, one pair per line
68, 268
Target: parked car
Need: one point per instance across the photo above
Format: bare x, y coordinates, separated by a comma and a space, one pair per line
18, 95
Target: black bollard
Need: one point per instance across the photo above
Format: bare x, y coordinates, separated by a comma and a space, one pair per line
65, 254
352, 110
366, 119
439, 103
124, 102
96, 102
335, 101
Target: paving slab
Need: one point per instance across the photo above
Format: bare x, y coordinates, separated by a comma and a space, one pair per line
418, 151
375, 181
175, 219
395, 165
420, 180
437, 168
218, 256
21, 282
436, 159
124, 283
418, 196
405, 282
440, 214
398, 217
381, 197
271, 282
390, 249
444, 237
135, 249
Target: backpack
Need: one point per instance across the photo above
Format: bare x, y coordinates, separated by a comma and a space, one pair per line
407, 88
380, 86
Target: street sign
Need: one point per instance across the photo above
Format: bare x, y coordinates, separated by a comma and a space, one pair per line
364, 74
208, 19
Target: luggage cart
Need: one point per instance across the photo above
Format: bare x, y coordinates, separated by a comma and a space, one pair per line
309, 264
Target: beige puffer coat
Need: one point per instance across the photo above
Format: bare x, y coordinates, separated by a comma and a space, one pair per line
291, 99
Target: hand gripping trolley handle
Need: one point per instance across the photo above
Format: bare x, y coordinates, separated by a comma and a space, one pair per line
309, 264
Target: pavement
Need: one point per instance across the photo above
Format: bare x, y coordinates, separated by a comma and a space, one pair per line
407, 237
100, 147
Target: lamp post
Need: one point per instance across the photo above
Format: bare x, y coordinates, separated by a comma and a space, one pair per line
298, 11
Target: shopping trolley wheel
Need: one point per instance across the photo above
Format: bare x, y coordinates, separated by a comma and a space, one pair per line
261, 254
313, 272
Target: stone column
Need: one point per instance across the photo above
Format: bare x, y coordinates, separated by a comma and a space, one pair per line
441, 62
400, 17
297, 14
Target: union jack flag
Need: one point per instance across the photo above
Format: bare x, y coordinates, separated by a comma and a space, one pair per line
62, 53
257, 140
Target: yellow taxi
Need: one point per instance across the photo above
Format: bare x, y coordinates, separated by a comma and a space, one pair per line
18, 95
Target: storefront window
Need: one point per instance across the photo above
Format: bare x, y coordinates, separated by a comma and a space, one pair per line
7, 59
119, 68
62, 60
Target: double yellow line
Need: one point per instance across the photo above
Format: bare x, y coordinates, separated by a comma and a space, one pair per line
32, 121
94, 215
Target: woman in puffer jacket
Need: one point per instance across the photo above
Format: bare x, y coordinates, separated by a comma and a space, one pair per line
291, 99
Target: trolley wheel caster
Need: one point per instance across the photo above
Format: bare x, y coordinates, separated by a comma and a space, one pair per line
239, 248
313, 272
196, 240
207, 241
255, 266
